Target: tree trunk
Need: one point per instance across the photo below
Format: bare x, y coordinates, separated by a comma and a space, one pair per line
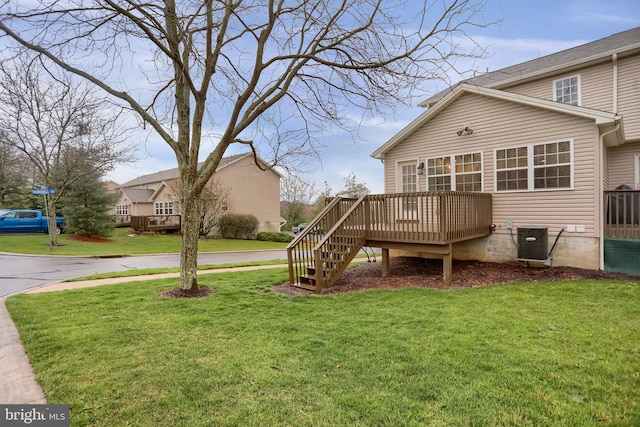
189, 252
53, 224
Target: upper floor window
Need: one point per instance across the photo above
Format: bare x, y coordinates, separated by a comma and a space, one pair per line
460, 172
567, 90
535, 167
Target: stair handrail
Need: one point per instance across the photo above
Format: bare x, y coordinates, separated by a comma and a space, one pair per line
321, 279
300, 238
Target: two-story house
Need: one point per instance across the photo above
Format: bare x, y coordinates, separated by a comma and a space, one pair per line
242, 186
549, 141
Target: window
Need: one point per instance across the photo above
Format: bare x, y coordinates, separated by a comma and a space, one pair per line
122, 210
545, 166
567, 90
409, 177
552, 165
439, 173
460, 172
468, 176
512, 167
224, 206
165, 208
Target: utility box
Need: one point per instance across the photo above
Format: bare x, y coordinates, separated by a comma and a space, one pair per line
533, 243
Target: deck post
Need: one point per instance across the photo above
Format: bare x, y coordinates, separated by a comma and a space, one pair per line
447, 266
385, 262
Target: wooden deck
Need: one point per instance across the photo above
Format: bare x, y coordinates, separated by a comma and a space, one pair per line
427, 222
171, 223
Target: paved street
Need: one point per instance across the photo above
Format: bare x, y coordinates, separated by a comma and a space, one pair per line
20, 272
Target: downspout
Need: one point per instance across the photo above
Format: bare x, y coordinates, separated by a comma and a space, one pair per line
614, 106
601, 191
614, 60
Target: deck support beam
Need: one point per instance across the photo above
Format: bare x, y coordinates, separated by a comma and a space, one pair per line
447, 266
385, 262
443, 252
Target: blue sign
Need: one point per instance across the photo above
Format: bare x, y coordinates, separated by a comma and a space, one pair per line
44, 191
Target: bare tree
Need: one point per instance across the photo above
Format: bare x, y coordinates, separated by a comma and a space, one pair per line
13, 173
295, 195
58, 125
238, 66
213, 203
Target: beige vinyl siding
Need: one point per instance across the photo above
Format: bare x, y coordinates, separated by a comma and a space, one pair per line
253, 191
629, 96
165, 195
596, 86
621, 165
500, 124
597, 90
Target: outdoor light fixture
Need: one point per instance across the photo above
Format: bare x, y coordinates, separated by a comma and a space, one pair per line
466, 130
421, 168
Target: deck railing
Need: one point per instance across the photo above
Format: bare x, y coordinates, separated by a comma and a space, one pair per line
156, 223
622, 214
300, 250
427, 218
435, 217
123, 220
340, 244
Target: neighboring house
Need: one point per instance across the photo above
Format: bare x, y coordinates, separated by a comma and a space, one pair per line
248, 190
516, 164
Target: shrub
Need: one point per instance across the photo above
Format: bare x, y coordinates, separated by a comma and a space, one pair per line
271, 236
238, 226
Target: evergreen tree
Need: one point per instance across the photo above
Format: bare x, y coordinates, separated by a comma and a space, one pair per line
87, 207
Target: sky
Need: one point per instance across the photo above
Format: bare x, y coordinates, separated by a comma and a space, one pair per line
529, 29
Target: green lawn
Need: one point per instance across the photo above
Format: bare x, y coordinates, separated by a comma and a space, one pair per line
120, 243
543, 354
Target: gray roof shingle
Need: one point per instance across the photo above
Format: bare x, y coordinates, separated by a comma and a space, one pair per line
174, 173
137, 195
622, 41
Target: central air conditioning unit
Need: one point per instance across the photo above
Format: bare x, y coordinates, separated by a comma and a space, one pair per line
533, 244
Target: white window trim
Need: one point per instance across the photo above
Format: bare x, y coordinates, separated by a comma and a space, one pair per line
452, 173
399, 183
637, 171
553, 94
530, 167
163, 207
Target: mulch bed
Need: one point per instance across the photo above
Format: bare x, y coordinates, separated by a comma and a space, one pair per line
91, 239
202, 291
409, 272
